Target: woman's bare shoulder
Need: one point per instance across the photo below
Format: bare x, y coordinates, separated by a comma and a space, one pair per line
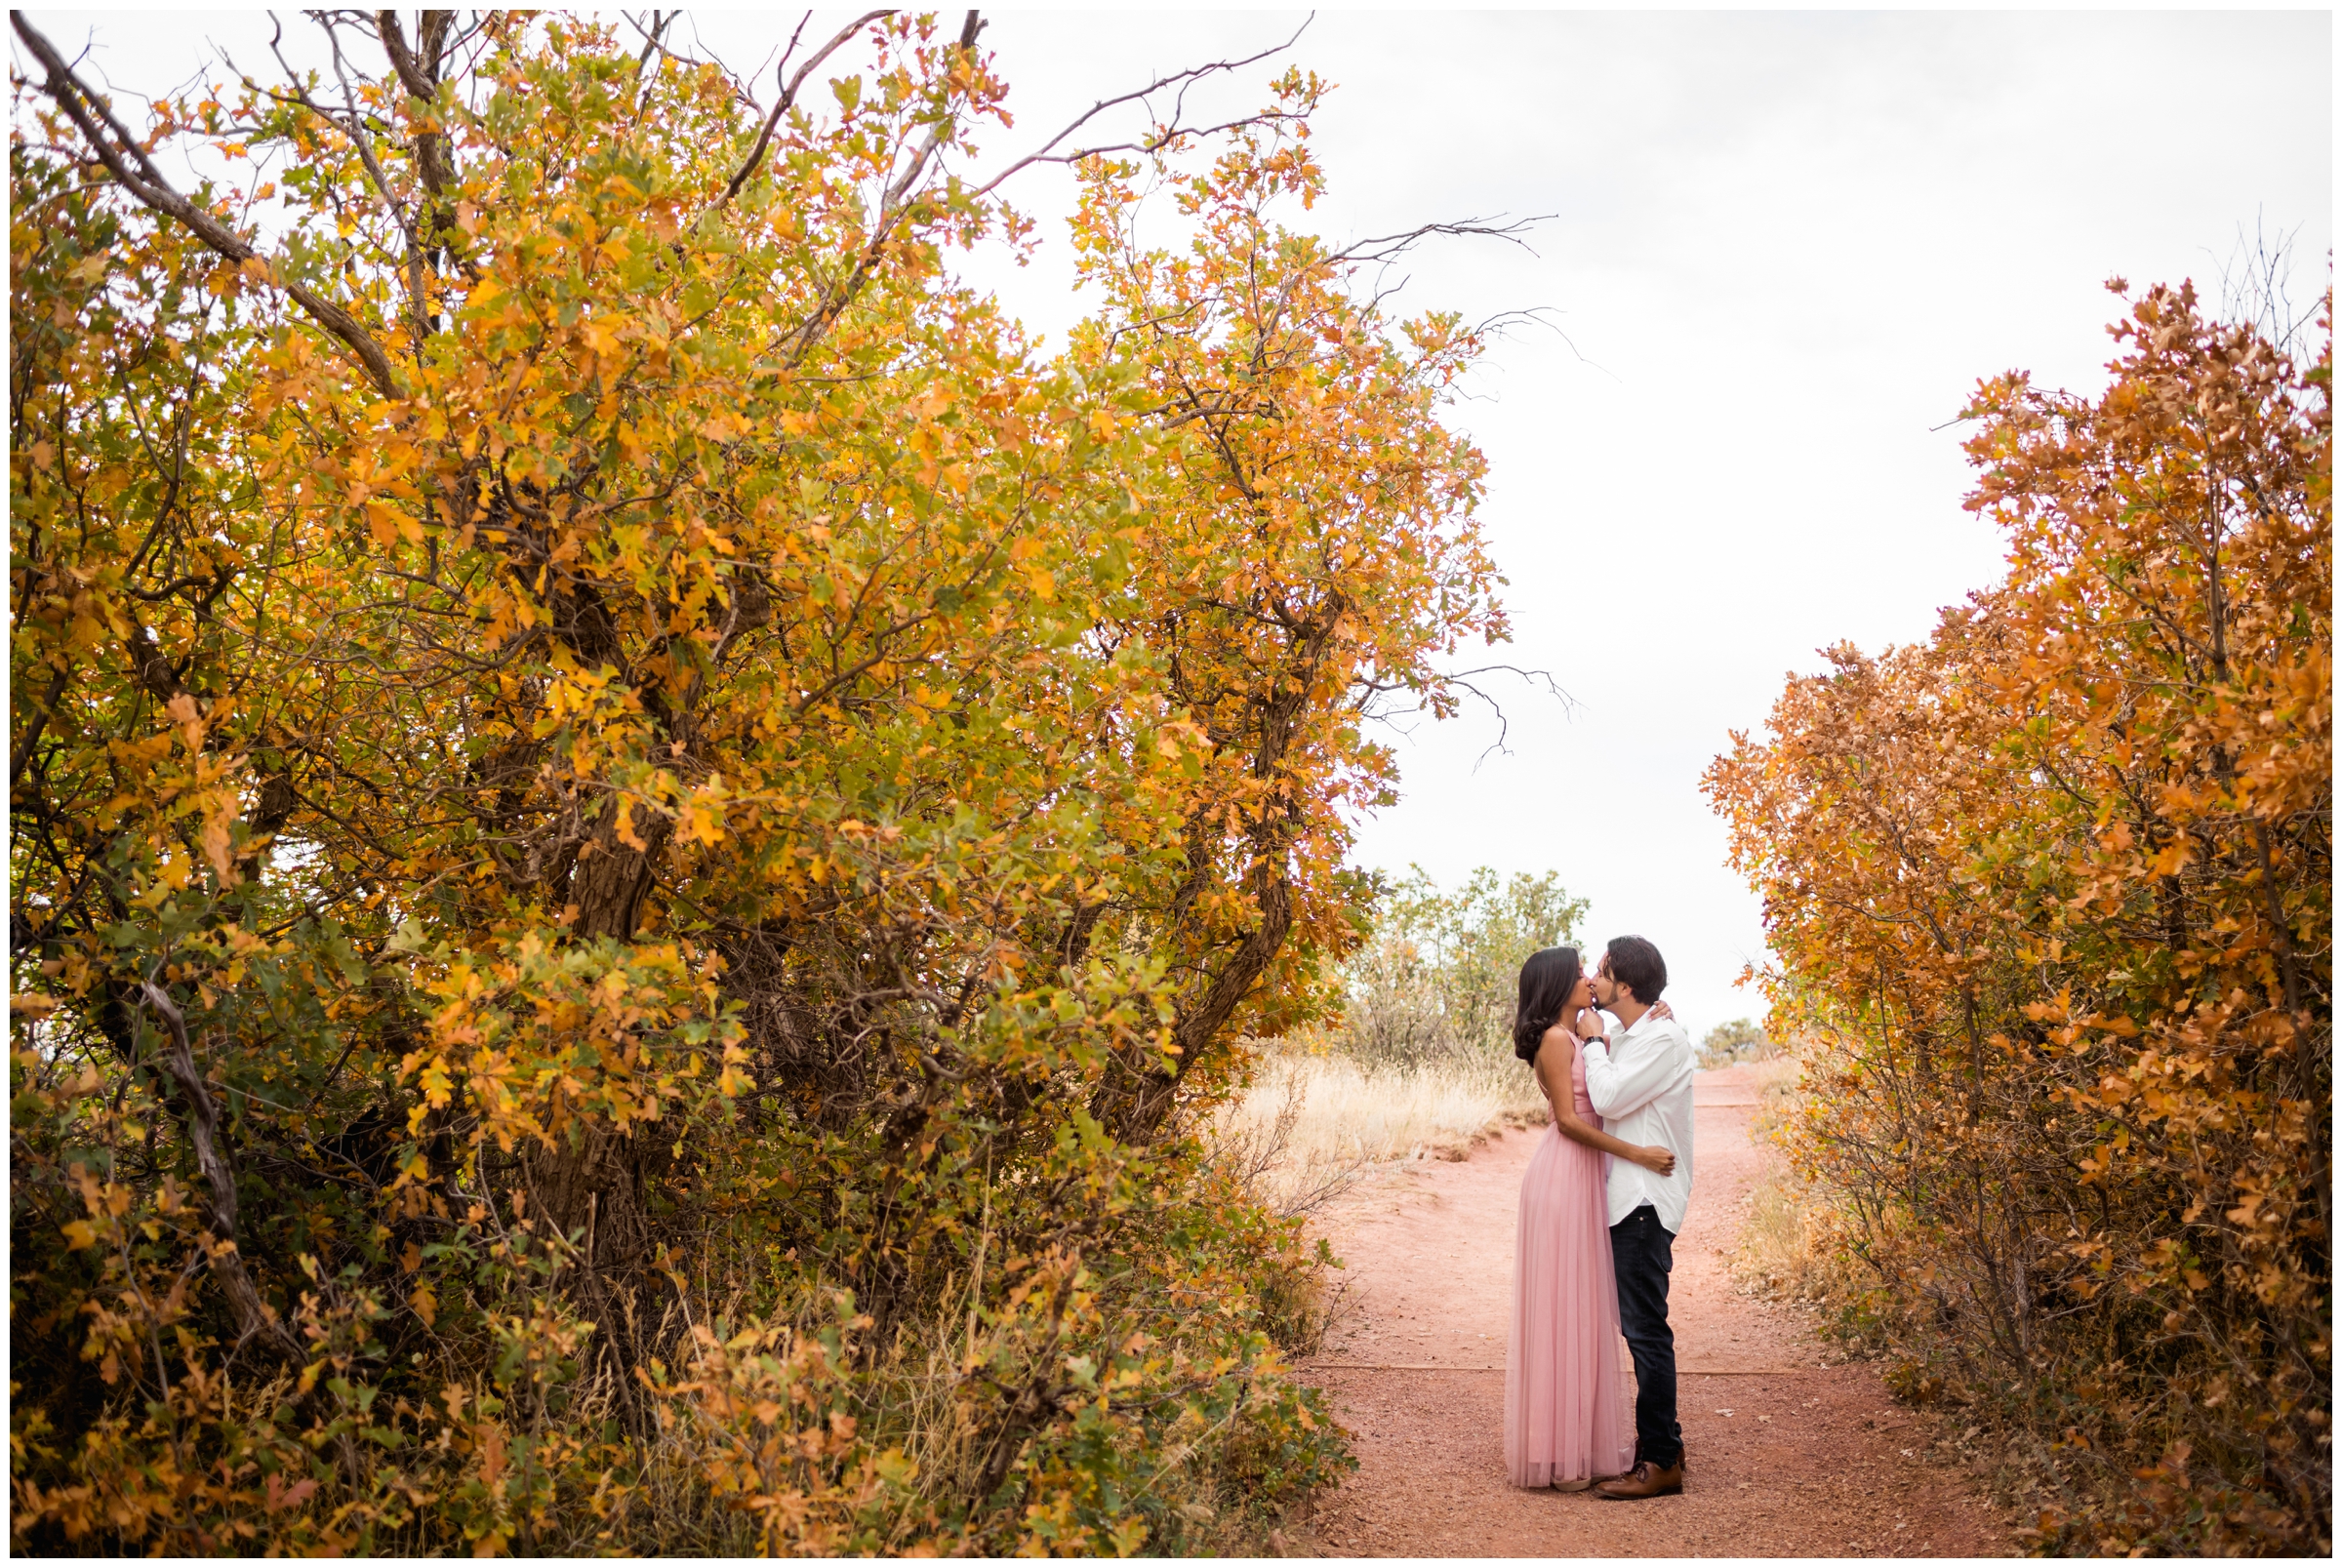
1562, 1043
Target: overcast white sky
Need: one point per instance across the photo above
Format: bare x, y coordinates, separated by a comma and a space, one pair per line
1787, 246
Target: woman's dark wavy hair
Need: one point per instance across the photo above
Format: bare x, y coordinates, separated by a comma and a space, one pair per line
1546, 981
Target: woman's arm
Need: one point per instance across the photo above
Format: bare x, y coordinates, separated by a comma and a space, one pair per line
1651, 1066
1554, 1063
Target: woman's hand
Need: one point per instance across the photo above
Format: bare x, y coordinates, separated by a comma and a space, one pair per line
1660, 1009
1656, 1160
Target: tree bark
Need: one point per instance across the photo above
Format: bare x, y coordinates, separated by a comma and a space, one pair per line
254, 1320
590, 1184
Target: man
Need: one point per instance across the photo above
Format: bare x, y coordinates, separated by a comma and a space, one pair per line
1641, 1085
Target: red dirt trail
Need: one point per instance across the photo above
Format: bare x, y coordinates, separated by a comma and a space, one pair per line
1787, 1457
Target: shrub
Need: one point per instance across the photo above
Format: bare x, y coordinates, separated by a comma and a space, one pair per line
2051, 901
1438, 976
1740, 1040
644, 833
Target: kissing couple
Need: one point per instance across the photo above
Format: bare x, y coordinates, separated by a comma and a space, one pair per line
1601, 1207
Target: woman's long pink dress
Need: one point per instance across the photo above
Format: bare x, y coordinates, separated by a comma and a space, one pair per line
1566, 1410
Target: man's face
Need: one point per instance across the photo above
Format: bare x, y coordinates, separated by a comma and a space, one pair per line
1605, 989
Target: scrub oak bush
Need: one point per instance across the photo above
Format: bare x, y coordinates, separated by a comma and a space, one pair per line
641, 837
2051, 901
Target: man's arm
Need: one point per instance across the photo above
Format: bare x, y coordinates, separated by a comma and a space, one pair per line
1620, 1088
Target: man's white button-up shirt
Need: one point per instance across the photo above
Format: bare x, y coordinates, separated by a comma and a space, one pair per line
1641, 1087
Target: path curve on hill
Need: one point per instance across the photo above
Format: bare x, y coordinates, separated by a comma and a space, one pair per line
1787, 1456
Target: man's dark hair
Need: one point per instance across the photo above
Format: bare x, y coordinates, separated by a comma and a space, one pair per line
1546, 981
1637, 965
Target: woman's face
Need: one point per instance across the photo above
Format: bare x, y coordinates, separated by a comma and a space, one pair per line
1581, 995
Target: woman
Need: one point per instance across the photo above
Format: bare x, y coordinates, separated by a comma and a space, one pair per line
1565, 1411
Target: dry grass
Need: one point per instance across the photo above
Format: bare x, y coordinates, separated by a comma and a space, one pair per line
1773, 1078
1780, 1253
1313, 1123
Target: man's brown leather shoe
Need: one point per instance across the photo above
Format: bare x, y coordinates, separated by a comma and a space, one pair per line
1645, 1480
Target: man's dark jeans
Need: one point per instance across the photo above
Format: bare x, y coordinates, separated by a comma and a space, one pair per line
1643, 1252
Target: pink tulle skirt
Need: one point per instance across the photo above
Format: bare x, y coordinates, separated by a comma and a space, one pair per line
1565, 1396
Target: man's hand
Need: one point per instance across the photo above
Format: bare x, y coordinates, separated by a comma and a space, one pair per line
1588, 1024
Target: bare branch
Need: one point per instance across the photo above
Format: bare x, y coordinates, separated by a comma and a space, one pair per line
1165, 135
1500, 324
789, 93
1390, 247
1462, 680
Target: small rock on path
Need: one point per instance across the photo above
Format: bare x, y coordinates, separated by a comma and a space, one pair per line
1788, 1457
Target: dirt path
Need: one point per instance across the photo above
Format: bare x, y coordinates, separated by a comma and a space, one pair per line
1786, 1456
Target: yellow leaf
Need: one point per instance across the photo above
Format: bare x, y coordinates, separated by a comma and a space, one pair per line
385, 523
218, 848
189, 718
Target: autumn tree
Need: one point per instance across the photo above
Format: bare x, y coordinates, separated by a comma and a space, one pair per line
640, 826
2050, 896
